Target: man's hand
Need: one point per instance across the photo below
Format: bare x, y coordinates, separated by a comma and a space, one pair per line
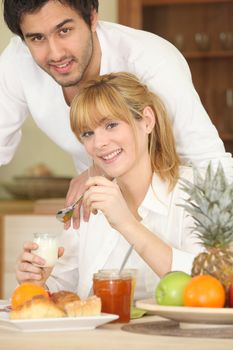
76, 189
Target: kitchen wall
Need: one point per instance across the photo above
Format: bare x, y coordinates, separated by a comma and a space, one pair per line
43, 149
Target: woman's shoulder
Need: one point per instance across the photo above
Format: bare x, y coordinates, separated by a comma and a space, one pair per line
185, 172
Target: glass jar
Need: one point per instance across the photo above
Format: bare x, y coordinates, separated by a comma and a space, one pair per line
114, 289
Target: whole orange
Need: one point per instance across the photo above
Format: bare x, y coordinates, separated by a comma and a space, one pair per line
204, 291
24, 292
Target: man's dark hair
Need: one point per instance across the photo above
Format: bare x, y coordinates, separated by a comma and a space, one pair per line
15, 9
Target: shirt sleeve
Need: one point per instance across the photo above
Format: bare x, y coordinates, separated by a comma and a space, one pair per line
187, 249
182, 261
13, 107
197, 139
65, 275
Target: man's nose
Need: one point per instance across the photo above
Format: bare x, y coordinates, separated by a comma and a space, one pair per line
56, 50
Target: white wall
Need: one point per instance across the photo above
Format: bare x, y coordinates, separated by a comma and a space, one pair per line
26, 156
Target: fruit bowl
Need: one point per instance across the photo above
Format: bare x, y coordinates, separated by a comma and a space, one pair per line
37, 187
189, 315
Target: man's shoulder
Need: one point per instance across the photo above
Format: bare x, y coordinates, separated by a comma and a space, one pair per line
15, 51
120, 31
136, 45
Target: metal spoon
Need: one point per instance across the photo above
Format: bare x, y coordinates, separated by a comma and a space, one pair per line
65, 214
127, 255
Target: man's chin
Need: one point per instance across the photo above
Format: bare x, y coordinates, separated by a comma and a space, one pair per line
66, 83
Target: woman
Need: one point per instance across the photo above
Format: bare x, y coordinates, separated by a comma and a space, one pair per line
125, 129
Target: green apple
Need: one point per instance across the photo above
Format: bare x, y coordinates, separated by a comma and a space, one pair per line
171, 287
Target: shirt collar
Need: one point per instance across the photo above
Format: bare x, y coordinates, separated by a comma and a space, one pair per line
157, 198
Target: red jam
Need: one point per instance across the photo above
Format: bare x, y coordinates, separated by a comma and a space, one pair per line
114, 291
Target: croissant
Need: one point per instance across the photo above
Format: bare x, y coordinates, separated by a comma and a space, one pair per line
60, 304
88, 307
63, 297
38, 307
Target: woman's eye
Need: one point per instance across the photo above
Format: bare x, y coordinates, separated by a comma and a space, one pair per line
86, 134
111, 125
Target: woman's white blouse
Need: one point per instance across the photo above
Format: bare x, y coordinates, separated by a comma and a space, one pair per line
96, 245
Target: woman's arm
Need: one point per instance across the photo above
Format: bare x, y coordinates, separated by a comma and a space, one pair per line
160, 256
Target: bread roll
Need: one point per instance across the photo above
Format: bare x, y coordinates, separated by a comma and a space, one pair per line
63, 297
88, 307
37, 307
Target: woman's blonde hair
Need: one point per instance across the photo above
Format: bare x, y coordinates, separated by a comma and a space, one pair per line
122, 96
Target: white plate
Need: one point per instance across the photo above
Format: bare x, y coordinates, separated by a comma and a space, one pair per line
4, 302
189, 314
55, 324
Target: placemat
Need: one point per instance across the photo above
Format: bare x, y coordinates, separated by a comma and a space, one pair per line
172, 328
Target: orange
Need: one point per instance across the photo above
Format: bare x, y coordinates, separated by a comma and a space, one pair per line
26, 291
204, 291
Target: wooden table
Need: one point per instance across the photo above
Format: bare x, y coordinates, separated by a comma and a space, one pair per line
107, 337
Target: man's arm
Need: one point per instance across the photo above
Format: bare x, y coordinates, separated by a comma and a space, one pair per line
197, 139
13, 108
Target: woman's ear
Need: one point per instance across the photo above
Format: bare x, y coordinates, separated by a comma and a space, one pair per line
148, 119
94, 20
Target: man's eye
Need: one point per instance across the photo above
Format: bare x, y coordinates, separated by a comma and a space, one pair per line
37, 38
111, 125
65, 31
86, 134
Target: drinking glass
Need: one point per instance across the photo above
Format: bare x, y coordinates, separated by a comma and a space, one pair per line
48, 248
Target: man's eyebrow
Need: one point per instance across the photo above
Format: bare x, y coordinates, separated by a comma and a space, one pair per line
58, 26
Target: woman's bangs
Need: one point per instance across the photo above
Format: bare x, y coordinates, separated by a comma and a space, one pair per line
96, 108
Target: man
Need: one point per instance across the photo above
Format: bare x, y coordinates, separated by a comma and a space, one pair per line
60, 45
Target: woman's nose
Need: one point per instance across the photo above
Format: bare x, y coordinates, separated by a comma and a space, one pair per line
101, 138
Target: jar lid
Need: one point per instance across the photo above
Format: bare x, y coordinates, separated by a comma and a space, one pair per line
111, 275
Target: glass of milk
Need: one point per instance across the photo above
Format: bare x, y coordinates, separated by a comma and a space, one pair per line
48, 248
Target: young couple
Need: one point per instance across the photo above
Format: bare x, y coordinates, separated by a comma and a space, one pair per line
59, 45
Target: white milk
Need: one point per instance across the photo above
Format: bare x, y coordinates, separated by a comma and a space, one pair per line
48, 248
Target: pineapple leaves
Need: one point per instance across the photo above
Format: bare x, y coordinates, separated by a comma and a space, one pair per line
210, 204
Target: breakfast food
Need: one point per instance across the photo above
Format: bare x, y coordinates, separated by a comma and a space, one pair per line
210, 203
59, 304
64, 297
26, 291
88, 307
37, 307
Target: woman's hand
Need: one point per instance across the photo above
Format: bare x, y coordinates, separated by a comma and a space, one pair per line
27, 271
105, 195
76, 189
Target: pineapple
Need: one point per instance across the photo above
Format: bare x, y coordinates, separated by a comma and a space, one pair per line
210, 203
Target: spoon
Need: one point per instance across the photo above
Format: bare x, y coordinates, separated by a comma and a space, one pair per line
127, 255
65, 214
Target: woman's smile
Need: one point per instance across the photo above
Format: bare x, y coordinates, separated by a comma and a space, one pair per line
110, 157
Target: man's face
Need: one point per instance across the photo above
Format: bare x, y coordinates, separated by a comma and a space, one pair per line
60, 41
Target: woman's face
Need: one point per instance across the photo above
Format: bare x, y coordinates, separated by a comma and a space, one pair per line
112, 146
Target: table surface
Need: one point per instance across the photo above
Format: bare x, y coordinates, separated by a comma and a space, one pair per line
109, 337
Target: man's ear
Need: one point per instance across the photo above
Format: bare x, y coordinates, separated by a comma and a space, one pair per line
94, 20
148, 119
